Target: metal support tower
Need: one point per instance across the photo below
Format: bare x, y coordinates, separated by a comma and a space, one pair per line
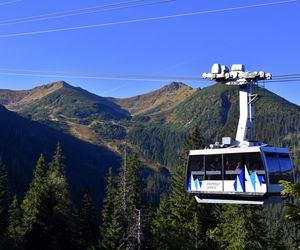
247, 82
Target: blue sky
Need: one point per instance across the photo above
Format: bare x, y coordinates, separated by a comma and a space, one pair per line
265, 38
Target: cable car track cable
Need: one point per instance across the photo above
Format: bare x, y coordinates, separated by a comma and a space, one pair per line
147, 19
10, 2
123, 77
103, 8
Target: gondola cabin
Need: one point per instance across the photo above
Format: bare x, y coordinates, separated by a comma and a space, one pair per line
239, 175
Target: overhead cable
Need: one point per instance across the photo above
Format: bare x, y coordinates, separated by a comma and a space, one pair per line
119, 78
10, 2
93, 74
90, 10
147, 19
123, 77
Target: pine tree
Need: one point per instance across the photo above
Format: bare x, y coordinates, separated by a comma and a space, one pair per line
134, 183
194, 141
14, 229
85, 232
241, 227
181, 209
292, 213
112, 228
34, 206
195, 219
60, 205
133, 202
161, 224
4, 201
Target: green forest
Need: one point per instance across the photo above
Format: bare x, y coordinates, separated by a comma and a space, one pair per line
47, 217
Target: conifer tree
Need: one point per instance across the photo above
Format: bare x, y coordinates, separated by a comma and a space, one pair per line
132, 191
194, 141
292, 213
59, 198
161, 224
134, 183
240, 227
192, 218
112, 228
14, 229
4, 201
34, 206
85, 232
181, 209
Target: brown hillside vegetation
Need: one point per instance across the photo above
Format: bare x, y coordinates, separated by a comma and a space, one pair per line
157, 101
15, 100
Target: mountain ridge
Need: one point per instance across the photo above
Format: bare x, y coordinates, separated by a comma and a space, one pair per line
156, 101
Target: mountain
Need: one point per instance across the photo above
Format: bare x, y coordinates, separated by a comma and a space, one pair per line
22, 141
95, 119
64, 107
157, 123
156, 101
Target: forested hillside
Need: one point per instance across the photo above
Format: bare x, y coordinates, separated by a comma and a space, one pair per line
22, 141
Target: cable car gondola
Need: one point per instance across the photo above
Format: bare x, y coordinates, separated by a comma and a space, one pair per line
238, 171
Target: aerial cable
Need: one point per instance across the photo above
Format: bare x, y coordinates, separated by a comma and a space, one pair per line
69, 11
287, 76
119, 78
10, 2
93, 74
126, 78
287, 80
147, 19
74, 74
90, 10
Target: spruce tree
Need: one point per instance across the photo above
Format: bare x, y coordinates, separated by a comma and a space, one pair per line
179, 217
134, 183
34, 206
192, 217
240, 227
111, 228
132, 197
4, 202
85, 231
292, 213
59, 202
194, 141
161, 225
14, 229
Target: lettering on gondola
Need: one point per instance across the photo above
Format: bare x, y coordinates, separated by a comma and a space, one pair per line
213, 185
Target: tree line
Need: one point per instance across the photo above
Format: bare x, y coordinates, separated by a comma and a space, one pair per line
46, 218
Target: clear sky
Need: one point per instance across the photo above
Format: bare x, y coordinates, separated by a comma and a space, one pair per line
265, 38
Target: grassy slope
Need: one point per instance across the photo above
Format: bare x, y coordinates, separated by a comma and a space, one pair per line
156, 101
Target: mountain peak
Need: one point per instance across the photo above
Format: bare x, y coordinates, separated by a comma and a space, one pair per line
173, 86
56, 85
15, 100
157, 101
